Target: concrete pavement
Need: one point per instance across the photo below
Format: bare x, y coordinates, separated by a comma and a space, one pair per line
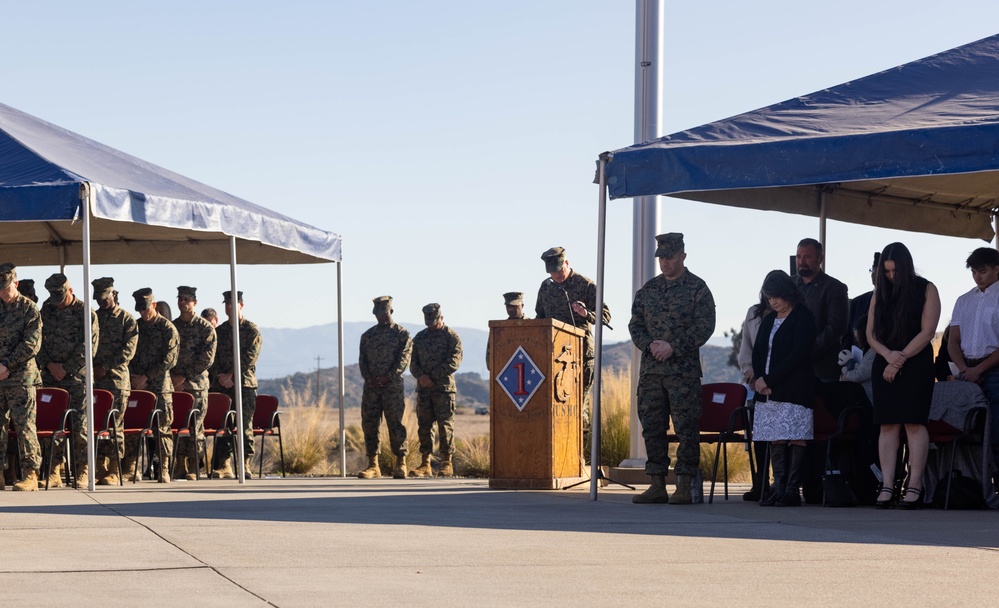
349, 542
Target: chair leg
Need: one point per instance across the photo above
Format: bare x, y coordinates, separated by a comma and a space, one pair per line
724, 450
714, 475
260, 472
281, 450
950, 472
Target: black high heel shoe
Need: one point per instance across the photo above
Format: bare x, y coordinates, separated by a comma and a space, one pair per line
912, 505
888, 503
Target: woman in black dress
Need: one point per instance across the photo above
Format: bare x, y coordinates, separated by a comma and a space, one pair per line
901, 323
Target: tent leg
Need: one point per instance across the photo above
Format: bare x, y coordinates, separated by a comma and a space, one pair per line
598, 334
339, 364
237, 371
88, 343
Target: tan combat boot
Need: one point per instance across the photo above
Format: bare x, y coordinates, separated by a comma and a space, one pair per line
424, 470
180, 466
30, 483
3, 482
399, 472
110, 477
373, 471
224, 471
682, 494
446, 470
165, 471
655, 495
247, 470
128, 468
55, 477
82, 476
101, 464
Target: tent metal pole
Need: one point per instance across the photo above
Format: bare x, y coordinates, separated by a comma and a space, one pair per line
598, 334
88, 343
822, 226
339, 364
237, 370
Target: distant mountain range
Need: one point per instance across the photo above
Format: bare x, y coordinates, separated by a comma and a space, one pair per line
288, 360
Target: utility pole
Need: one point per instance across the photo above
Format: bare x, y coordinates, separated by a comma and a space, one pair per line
318, 359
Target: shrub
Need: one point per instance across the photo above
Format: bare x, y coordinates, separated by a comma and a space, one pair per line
615, 417
471, 458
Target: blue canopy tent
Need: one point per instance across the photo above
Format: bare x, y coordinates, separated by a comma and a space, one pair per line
66, 199
913, 148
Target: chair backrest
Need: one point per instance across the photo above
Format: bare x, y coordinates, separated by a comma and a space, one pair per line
50, 405
265, 407
103, 402
218, 405
718, 401
139, 409
183, 403
823, 423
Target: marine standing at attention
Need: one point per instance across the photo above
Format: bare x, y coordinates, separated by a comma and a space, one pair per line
20, 338
384, 355
672, 317
119, 335
190, 375
436, 357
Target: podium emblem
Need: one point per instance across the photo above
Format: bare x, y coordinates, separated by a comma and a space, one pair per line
520, 378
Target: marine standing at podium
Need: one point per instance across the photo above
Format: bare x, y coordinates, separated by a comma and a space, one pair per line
514, 301
384, 355
570, 297
436, 357
672, 317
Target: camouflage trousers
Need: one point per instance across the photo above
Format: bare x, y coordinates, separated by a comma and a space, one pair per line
120, 403
17, 406
388, 402
184, 445
587, 401
77, 389
435, 409
224, 447
164, 403
661, 398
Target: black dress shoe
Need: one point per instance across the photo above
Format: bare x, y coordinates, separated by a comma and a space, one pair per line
751, 496
912, 505
888, 503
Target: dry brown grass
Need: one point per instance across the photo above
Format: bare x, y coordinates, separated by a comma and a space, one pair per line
471, 457
615, 417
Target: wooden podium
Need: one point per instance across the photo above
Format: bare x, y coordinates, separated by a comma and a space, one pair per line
535, 404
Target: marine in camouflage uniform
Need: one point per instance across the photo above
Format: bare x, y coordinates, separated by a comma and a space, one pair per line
672, 317
155, 355
514, 302
436, 357
250, 343
385, 352
570, 297
197, 352
62, 358
119, 335
20, 339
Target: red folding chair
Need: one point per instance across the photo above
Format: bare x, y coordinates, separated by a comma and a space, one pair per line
217, 423
54, 421
185, 424
267, 423
142, 420
105, 411
725, 419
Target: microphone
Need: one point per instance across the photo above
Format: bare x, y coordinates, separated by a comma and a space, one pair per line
572, 314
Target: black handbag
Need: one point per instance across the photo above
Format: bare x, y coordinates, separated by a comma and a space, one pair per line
837, 491
965, 493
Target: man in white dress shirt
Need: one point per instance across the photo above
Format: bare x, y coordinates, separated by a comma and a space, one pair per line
974, 333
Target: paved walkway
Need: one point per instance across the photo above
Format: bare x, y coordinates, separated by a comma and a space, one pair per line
350, 542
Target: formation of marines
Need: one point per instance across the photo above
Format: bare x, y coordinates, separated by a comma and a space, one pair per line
47, 348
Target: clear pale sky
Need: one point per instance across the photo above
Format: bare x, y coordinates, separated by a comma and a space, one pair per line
451, 142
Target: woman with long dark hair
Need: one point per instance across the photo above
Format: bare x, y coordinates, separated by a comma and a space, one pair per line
782, 365
901, 323
750, 327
